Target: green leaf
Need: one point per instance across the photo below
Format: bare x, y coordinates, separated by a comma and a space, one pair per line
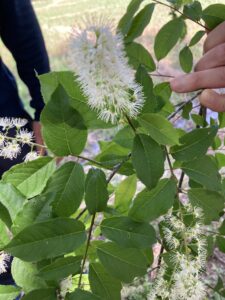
47, 239
147, 159
167, 37
123, 263
220, 242
5, 216
4, 234
8, 292
194, 144
213, 15
81, 295
68, 185
186, 59
61, 268
124, 137
193, 11
124, 193
96, 193
30, 178
151, 103
220, 159
63, 127
26, 276
196, 38
204, 171
138, 55
128, 233
212, 203
43, 294
126, 21
149, 205
161, 130
103, 284
140, 21
35, 210
50, 82
11, 198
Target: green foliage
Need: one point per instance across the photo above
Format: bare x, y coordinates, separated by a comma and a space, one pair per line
83, 228
167, 37
96, 193
186, 59
67, 184
147, 159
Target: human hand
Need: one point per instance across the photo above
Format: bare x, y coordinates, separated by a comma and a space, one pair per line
209, 72
38, 136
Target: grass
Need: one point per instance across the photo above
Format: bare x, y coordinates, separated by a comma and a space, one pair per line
58, 17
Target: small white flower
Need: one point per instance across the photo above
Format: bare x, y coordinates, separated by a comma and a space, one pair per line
31, 156
102, 68
18, 122
4, 258
25, 136
10, 150
6, 123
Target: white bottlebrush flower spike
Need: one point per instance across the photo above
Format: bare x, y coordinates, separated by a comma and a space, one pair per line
4, 259
185, 282
99, 61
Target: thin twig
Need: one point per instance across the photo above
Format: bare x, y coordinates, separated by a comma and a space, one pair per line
86, 249
130, 123
170, 163
161, 75
182, 14
171, 116
89, 159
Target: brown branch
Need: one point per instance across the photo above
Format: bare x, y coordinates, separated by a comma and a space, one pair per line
182, 14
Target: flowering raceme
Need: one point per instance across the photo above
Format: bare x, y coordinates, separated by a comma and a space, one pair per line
99, 61
10, 147
185, 282
4, 258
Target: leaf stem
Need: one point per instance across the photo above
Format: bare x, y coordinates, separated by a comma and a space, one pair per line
170, 163
86, 249
182, 14
171, 116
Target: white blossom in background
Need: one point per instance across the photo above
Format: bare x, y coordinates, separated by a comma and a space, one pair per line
185, 282
99, 61
31, 156
6, 123
11, 146
4, 259
25, 136
18, 122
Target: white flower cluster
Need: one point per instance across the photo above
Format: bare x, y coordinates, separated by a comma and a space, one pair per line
99, 61
185, 281
4, 259
10, 147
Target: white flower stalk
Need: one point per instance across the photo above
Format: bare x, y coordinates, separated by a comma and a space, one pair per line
18, 122
185, 281
10, 150
4, 259
31, 156
99, 61
24, 136
6, 123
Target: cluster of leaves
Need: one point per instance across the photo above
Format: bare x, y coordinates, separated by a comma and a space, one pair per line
60, 222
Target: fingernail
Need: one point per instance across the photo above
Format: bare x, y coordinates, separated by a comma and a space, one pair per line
177, 84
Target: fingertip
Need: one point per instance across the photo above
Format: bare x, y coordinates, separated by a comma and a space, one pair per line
212, 100
178, 84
